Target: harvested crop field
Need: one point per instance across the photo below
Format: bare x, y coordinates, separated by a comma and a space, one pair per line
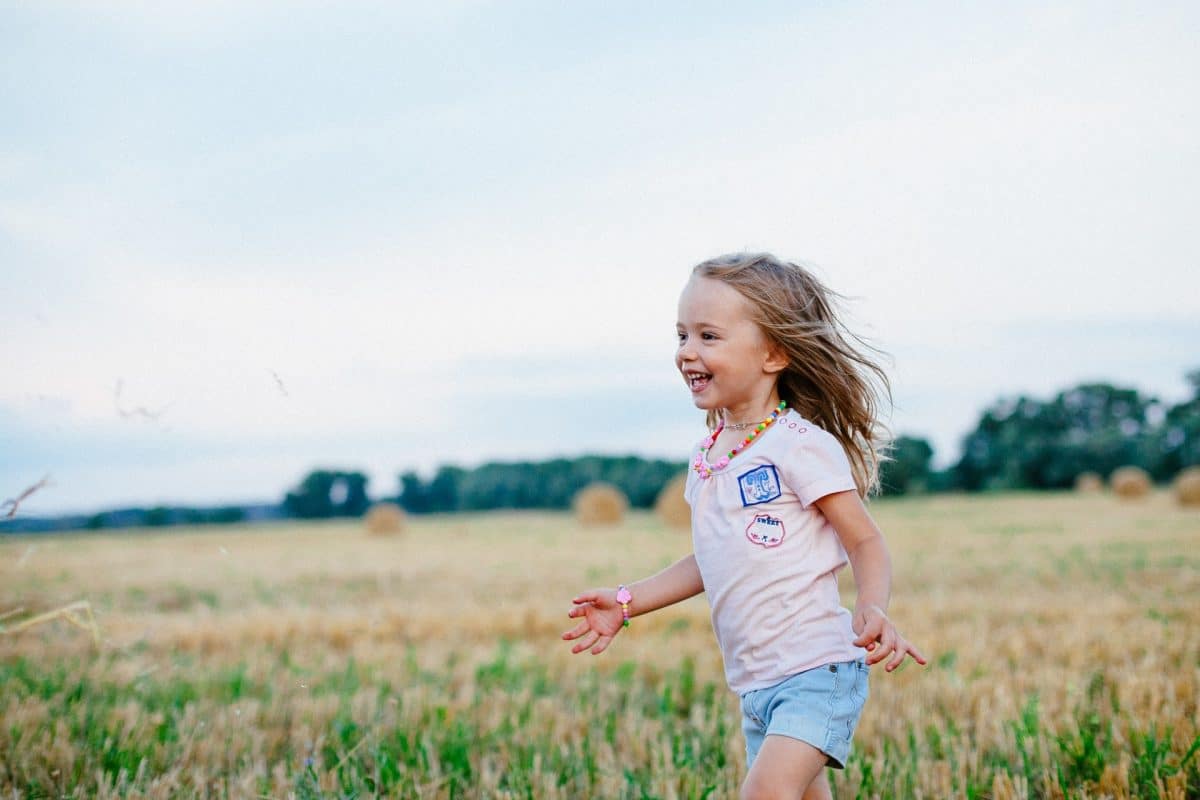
317, 660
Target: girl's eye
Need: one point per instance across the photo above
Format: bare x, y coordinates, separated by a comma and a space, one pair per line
681, 336
708, 336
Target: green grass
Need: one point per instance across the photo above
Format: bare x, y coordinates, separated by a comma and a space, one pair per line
361, 751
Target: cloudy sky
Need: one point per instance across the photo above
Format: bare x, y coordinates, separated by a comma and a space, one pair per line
242, 240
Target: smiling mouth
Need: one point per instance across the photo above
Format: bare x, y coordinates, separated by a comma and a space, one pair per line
698, 381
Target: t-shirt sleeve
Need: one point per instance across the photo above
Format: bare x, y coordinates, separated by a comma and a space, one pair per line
817, 466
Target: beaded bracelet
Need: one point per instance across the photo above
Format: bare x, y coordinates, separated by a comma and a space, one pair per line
624, 598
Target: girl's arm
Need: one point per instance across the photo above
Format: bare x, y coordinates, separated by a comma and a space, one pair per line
602, 617
872, 565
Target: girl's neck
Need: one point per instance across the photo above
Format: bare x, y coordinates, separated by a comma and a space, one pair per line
751, 411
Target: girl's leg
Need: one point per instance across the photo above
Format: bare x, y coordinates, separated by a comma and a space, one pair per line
819, 789
787, 769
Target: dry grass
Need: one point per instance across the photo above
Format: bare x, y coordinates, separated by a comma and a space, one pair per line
316, 660
78, 614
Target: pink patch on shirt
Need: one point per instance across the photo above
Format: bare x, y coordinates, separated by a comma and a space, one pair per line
766, 530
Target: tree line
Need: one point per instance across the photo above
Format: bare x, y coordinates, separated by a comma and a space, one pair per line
1021, 442
535, 484
1031, 443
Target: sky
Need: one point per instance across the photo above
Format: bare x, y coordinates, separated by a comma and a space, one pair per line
240, 241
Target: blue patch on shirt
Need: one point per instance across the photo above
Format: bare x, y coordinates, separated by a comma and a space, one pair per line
759, 485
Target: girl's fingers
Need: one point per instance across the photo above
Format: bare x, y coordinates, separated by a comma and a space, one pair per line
887, 644
905, 648
590, 596
870, 633
869, 639
897, 657
874, 653
589, 640
602, 645
577, 631
909, 650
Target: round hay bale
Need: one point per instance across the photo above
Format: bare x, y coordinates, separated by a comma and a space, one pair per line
384, 519
670, 506
1130, 483
1089, 483
1187, 487
600, 504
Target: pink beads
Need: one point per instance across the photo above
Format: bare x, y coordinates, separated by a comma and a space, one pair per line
701, 466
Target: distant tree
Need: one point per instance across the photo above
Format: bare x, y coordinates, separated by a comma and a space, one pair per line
1031, 443
526, 484
908, 467
326, 493
414, 495
226, 515
444, 490
496, 485
1177, 443
943, 480
157, 517
312, 498
354, 495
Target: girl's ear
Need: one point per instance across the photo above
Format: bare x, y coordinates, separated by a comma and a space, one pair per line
776, 359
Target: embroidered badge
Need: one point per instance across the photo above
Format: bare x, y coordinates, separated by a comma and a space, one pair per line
759, 485
765, 530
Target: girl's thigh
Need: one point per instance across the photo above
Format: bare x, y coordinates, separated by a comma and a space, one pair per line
786, 768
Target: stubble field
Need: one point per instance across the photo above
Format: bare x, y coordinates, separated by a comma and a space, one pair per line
313, 660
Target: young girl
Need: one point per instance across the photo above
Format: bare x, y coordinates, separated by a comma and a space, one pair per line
776, 491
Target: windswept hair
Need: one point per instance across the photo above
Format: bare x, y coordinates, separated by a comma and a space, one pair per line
831, 377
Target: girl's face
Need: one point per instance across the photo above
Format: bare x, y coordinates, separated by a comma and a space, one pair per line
724, 357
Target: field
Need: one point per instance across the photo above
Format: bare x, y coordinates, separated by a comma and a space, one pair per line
316, 661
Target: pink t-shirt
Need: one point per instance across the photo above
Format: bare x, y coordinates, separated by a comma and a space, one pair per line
768, 556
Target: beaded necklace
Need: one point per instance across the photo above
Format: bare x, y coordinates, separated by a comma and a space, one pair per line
701, 463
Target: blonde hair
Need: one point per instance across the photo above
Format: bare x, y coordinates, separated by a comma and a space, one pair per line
831, 377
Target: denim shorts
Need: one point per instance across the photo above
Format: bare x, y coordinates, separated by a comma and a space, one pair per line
819, 706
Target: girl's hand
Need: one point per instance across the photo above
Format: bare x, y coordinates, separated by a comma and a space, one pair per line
602, 620
877, 633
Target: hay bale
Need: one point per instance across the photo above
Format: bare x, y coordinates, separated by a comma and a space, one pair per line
600, 504
1187, 487
384, 519
1089, 483
1130, 483
670, 506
